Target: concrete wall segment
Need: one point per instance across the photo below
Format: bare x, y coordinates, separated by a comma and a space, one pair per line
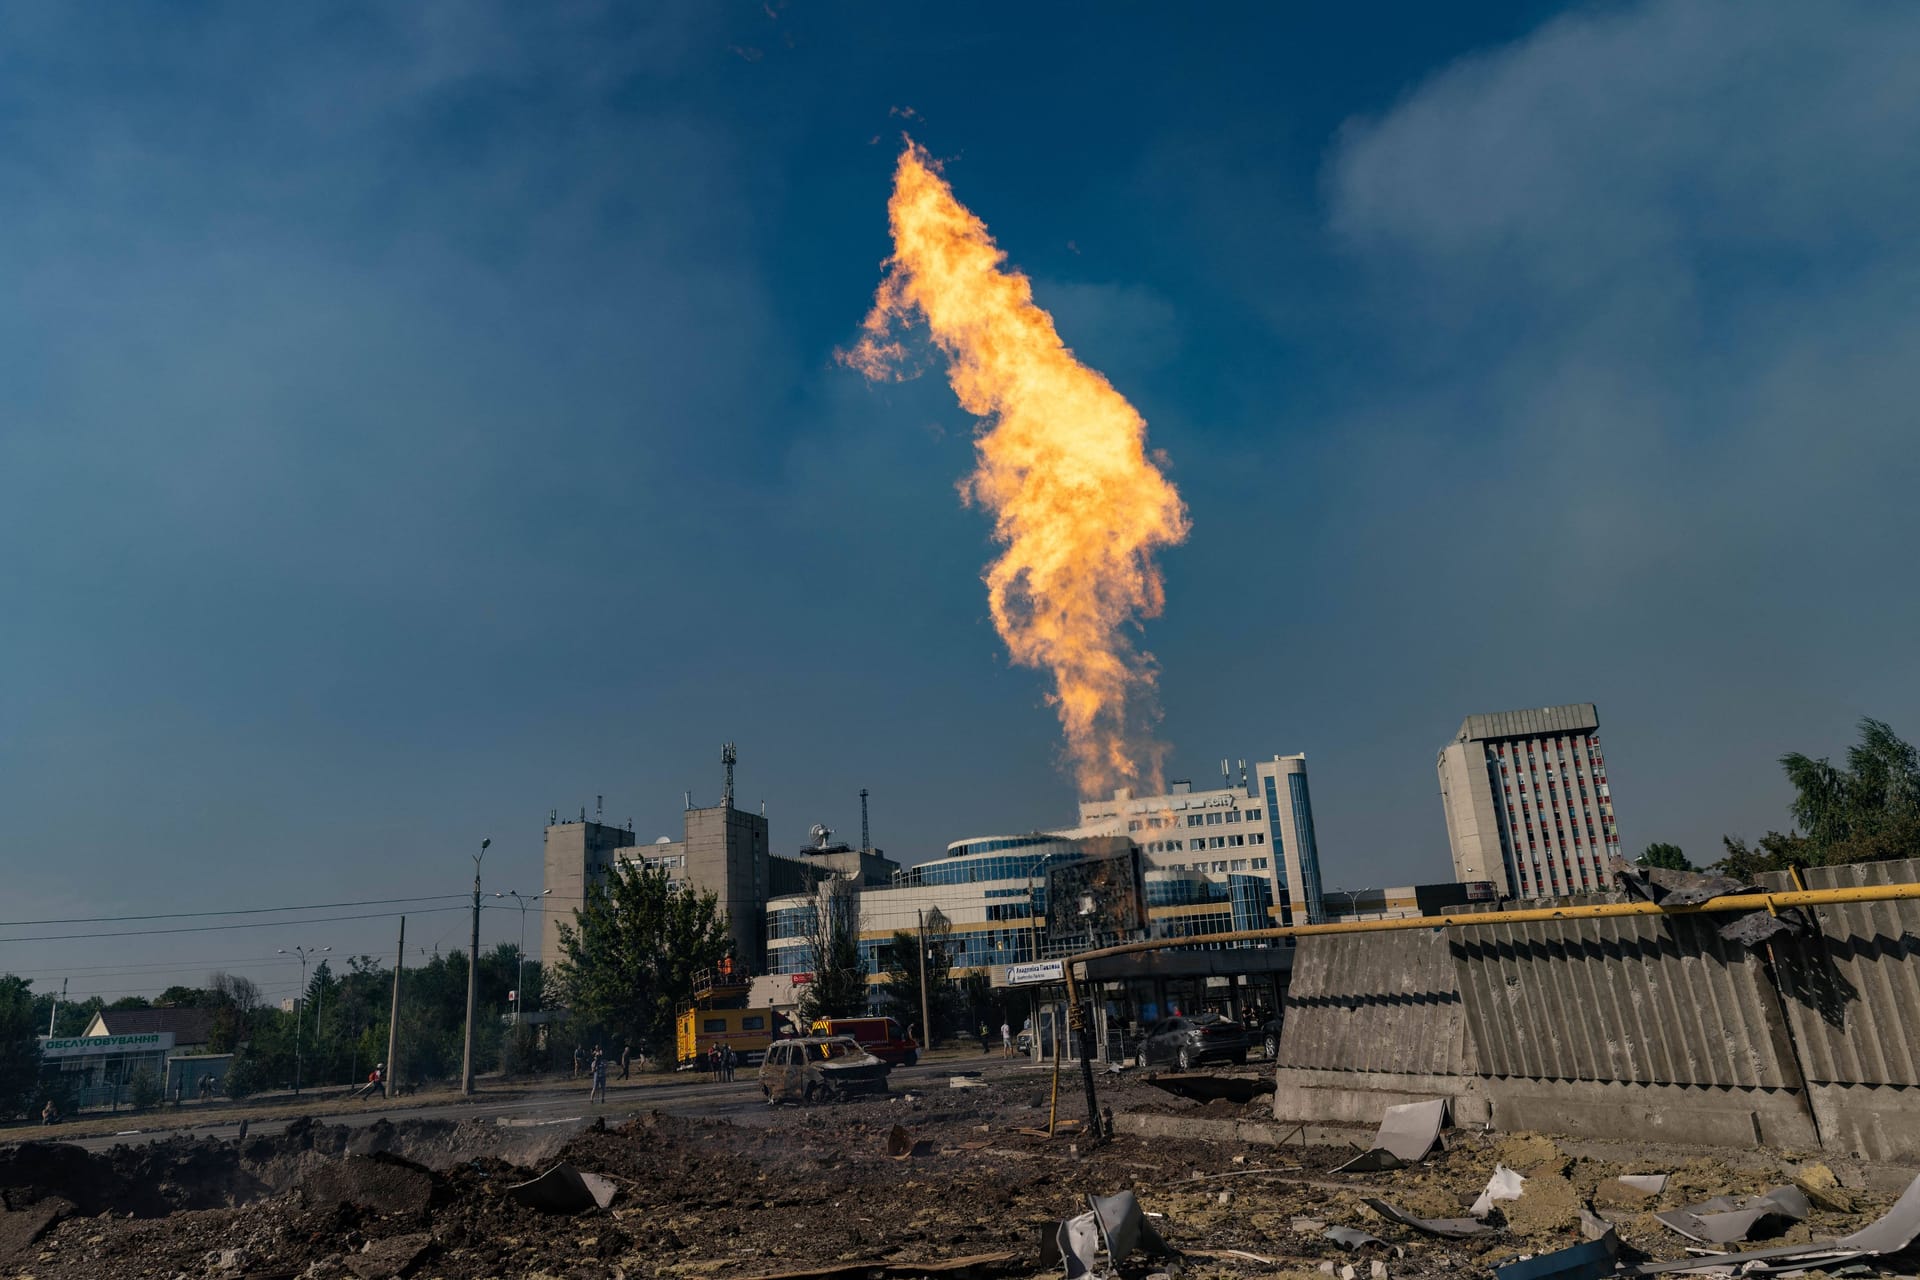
1379, 1002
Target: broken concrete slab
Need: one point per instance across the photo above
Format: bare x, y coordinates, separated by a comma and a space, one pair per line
20, 1229
1451, 1228
383, 1259
1407, 1133
1202, 1087
565, 1189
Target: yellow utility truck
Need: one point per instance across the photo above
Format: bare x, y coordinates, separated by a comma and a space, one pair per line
718, 1015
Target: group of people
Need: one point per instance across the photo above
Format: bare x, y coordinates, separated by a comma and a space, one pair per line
720, 1062
1006, 1039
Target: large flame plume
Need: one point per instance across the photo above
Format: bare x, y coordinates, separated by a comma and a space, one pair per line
1062, 464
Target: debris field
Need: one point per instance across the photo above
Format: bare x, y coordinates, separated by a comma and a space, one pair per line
973, 1192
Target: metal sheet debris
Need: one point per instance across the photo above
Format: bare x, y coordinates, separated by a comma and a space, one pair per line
1651, 1183
1407, 1133
1124, 1228
565, 1189
1452, 1228
974, 1265
1724, 1220
1505, 1184
1892, 1232
1589, 1261
1113, 1222
1349, 1238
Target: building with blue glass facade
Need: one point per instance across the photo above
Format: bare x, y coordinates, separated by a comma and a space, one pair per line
1217, 861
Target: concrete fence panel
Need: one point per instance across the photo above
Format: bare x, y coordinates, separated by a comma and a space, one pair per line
1851, 992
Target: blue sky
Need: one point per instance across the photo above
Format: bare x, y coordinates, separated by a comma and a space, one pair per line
421, 417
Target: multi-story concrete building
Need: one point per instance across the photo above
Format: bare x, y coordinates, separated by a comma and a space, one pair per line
1527, 801
722, 850
1264, 827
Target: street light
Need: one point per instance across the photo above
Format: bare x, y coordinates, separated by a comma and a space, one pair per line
520, 983
1352, 896
1033, 921
300, 1008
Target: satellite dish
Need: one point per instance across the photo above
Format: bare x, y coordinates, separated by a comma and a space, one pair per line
664, 840
821, 833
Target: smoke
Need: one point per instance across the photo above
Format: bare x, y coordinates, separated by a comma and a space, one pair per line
1078, 505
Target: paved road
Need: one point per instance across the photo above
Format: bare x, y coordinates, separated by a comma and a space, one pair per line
694, 1096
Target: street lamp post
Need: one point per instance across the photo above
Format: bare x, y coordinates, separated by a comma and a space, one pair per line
520, 981
1033, 921
300, 1007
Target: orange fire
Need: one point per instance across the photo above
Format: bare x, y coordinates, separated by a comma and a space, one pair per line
1077, 503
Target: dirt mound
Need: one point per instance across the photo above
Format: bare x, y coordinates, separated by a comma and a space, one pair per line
388, 1183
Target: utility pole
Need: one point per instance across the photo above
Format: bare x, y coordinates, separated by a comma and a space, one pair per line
300, 1010
393, 1020
473, 974
56, 1007
926, 1023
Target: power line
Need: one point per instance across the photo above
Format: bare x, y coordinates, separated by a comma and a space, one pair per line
94, 973
218, 928
237, 911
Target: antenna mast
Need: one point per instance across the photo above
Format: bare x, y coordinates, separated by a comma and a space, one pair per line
866, 841
727, 758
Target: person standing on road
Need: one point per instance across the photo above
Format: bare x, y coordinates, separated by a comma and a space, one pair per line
626, 1059
984, 1037
598, 1093
727, 1061
1006, 1041
579, 1060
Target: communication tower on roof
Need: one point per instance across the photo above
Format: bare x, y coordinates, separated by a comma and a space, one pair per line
727, 758
866, 841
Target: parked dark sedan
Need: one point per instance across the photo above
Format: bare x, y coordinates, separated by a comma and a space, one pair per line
1270, 1038
1189, 1041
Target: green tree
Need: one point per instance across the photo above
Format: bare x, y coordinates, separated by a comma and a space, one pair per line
143, 1089
1774, 852
629, 958
839, 986
902, 990
1669, 856
1864, 812
184, 998
19, 1049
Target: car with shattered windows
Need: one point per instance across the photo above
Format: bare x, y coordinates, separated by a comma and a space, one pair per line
1189, 1040
812, 1069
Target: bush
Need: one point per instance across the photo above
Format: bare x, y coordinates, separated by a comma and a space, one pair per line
143, 1089
244, 1078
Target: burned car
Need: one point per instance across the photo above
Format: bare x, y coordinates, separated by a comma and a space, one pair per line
820, 1069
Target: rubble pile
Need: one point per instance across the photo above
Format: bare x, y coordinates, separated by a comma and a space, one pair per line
959, 1183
